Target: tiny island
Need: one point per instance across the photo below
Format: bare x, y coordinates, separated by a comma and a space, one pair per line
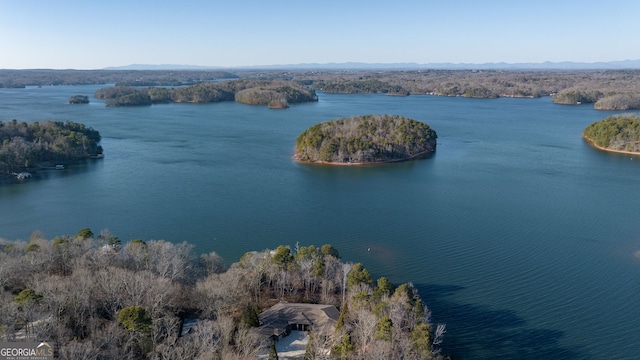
617, 133
79, 99
366, 139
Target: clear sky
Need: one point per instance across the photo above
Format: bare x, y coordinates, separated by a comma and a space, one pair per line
95, 34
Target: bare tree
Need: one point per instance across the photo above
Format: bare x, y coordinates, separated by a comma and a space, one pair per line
8, 316
364, 329
346, 267
248, 343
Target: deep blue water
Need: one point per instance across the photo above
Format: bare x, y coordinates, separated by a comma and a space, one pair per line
519, 235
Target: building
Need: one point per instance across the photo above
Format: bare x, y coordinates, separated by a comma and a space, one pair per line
279, 320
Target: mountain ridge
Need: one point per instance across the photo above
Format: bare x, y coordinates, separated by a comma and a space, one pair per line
547, 65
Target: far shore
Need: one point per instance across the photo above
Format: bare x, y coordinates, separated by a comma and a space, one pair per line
592, 143
416, 156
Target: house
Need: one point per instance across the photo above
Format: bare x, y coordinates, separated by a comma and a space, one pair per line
188, 326
279, 320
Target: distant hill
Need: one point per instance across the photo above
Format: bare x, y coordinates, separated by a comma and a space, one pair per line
163, 67
548, 65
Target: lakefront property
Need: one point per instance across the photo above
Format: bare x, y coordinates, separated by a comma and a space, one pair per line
280, 319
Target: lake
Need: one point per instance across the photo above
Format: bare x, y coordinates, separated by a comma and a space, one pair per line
520, 236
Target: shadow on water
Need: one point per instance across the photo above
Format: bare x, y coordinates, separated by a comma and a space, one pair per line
478, 332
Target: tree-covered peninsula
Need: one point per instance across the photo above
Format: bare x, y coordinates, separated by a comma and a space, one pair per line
26, 146
365, 139
92, 296
275, 93
617, 133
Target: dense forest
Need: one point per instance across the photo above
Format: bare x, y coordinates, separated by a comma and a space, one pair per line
570, 87
617, 133
44, 77
606, 89
25, 146
275, 93
365, 139
94, 297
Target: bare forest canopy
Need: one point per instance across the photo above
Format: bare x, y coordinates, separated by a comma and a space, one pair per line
365, 139
22, 78
26, 146
93, 294
617, 132
607, 89
275, 93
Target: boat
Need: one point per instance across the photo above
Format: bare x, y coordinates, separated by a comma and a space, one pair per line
22, 175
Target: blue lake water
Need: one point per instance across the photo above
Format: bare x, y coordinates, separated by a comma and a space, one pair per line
519, 235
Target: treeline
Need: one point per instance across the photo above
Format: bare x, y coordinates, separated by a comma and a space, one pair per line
360, 86
365, 139
97, 298
608, 89
617, 132
26, 145
577, 96
270, 92
22, 78
625, 101
468, 83
604, 99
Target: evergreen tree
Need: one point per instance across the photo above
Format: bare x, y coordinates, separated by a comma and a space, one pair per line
273, 354
249, 316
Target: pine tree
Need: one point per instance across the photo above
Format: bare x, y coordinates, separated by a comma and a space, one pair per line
273, 354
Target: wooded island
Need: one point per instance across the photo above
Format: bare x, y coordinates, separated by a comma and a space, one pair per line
275, 93
617, 133
24, 146
365, 139
79, 99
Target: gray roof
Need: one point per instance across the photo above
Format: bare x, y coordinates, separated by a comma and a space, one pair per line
321, 318
189, 326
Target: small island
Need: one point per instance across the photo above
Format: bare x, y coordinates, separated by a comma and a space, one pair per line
617, 133
365, 139
79, 99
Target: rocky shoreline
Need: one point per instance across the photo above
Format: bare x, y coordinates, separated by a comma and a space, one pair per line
331, 163
593, 144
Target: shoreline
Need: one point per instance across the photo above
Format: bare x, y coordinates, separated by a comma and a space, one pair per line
330, 163
593, 144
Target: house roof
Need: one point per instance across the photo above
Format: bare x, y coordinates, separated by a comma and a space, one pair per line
189, 326
321, 318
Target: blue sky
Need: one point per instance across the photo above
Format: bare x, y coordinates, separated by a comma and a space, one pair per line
92, 35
